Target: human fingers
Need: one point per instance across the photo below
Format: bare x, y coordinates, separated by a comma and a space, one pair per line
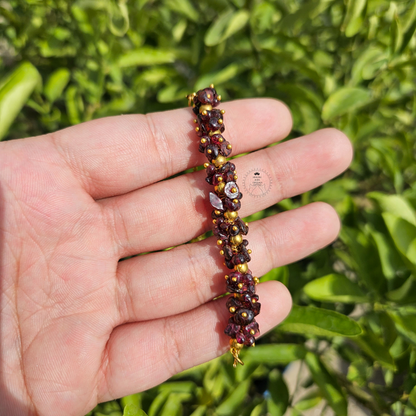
174, 211
115, 155
141, 355
188, 276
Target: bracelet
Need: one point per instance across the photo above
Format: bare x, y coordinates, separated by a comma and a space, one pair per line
243, 304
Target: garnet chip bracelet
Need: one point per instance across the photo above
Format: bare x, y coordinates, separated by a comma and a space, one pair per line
229, 228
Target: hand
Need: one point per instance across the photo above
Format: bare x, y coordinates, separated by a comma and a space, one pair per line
79, 327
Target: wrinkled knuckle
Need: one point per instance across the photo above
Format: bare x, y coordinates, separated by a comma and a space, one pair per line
194, 274
172, 354
161, 143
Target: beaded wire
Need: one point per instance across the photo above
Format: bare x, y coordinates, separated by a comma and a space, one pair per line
243, 304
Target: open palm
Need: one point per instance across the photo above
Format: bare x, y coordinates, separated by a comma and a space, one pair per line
78, 326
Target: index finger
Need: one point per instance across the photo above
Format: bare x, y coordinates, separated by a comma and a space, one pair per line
115, 155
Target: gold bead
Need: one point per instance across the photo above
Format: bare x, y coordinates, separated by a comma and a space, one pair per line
206, 165
222, 111
237, 239
204, 112
195, 120
194, 94
220, 187
220, 121
231, 215
211, 85
219, 242
253, 344
219, 161
235, 228
235, 201
220, 139
205, 107
203, 141
234, 279
219, 98
217, 212
196, 128
254, 301
233, 190
235, 177
209, 151
220, 179
252, 331
208, 95
214, 221
232, 309
211, 133
240, 285
222, 252
256, 280
226, 276
249, 251
229, 146
242, 268
244, 314
246, 223
235, 344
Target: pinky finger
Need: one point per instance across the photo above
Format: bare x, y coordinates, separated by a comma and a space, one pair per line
144, 354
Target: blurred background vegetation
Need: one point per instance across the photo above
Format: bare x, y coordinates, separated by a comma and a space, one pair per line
348, 64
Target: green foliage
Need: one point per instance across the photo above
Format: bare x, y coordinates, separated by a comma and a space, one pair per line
347, 64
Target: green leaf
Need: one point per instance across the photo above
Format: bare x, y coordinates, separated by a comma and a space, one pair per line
308, 320
309, 401
274, 354
184, 7
219, 77
225, 26
403, 234
279, 394
199, 411
73, 105
172, 406
396, 34
406, 293
345, 100
146, 56
395, 204
405, 325
217, 29
56, 84
234, 400
133, 399
411, 404
371, 345
178, 387
390, 259
281, 274
133, 410
118, 18
327, 384
15, 90
237, 22
335, 288
365, 257
158, 402
353, 21
259, 410
368, 64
